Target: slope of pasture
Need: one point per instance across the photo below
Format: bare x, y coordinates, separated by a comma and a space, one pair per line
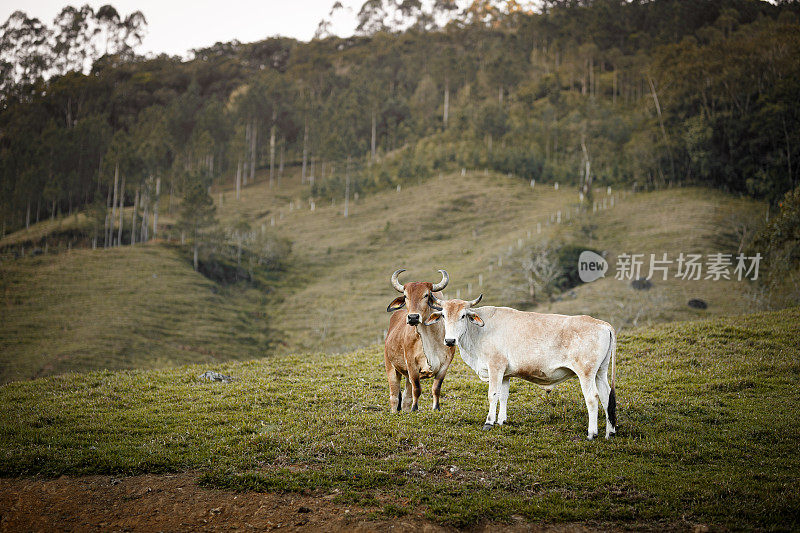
342, 265
673, 221
41, 230
707, 434
140, 307
61, 314
473, 226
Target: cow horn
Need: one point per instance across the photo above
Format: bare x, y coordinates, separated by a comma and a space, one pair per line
395, 283
476, 300
442, 284
437, 303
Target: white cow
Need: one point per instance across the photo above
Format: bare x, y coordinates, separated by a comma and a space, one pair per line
499, 343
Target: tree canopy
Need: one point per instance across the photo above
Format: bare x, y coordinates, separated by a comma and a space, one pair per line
651, 92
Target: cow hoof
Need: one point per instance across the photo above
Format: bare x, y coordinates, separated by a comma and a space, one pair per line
413, 408
487, 427
590, 436
436, 408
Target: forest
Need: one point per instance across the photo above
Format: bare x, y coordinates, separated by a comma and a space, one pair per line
647, 94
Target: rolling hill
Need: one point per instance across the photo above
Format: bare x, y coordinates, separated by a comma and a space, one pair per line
144, 307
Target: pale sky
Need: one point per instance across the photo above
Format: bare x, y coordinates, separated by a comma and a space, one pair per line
175, 27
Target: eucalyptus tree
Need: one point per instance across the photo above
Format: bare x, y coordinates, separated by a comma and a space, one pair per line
267, 100
25, 52
197, 213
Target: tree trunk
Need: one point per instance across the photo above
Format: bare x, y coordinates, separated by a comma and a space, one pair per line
113, 206
614, 88
238, 178
374, 135
171, 192
246, 155
584, 81
305, 151
253, 141
108, 214
155, 208
272, 148
446, 114
196, 248
347, 188
133, 218
587, 177
661, 121
121, 204
28, 216
145, 210
280, 164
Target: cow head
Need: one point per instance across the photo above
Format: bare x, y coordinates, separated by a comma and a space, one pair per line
457, 317
417, 297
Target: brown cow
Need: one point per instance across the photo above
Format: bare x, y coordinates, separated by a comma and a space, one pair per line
413, 349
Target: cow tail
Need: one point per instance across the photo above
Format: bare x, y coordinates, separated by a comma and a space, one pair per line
612, 397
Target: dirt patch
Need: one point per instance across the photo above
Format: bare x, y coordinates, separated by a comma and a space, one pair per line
177, 503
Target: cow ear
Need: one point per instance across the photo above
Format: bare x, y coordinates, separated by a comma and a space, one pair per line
397, 303
475, 319
433, 319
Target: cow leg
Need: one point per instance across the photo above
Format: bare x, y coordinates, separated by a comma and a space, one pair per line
416, 390
495, 384
505, 386
436, 389
604, 389
395, 397
591, 395
407, 395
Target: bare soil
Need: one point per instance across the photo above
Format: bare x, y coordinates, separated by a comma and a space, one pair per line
178, 503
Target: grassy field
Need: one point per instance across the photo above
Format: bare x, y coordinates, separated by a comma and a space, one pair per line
476, 226
669, 221
140, 307
144, 307
707, 411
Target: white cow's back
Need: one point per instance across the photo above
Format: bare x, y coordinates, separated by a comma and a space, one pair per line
534, 343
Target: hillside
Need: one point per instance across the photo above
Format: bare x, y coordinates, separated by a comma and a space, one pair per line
689, 221
140, 307
476, 227
144, 307
707, 434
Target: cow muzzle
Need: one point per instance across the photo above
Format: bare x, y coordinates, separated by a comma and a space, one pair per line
413, 319
450, 342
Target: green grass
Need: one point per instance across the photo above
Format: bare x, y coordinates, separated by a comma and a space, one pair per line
464, 224
140, 307
707, 415
89, 310
671, 221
